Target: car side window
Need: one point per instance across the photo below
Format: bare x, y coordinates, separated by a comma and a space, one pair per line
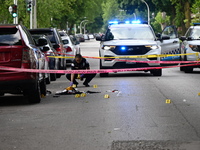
27, 36
170, 31
188, 34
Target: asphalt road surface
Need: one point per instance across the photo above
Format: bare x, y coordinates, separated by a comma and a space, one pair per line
137, 118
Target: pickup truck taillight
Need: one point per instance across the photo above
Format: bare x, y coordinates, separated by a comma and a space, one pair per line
25, 56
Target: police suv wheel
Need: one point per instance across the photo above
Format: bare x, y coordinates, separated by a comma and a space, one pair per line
156, 72
188, 69
101, 67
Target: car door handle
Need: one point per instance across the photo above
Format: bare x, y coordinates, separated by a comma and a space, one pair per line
175, 42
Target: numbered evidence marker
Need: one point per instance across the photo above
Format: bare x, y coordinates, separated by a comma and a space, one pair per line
95, 86
198, 94
77, 95
83, 95
106, 96
168, 101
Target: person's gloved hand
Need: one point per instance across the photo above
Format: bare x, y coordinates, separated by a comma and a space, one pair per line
71, 83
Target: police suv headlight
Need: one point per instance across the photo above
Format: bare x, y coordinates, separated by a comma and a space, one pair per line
152, 47
104, 47
195, 48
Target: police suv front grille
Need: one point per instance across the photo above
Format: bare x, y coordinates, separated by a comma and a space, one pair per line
130, 50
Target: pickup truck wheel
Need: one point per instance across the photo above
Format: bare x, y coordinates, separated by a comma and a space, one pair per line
33, 95
43, 88
53, 77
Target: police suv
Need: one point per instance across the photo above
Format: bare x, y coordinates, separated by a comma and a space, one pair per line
132, 39
190, 44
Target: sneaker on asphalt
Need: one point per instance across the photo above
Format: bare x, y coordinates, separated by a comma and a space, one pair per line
86, 84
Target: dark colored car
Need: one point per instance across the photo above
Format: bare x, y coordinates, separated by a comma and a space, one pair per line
54, 37
80, 37
18, 50
47, 48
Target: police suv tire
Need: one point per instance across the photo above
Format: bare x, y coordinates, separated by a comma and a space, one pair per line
33, 95
157, 72
182, 68
43, 88
102, 74
188, 69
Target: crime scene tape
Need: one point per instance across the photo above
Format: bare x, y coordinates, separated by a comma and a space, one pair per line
138, 56
90, 71
138, 61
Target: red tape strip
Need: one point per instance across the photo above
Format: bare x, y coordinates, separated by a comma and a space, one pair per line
90, 71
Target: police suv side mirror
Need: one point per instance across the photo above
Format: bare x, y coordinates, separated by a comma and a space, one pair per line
98, 38
183, 38
165, 37
189, 38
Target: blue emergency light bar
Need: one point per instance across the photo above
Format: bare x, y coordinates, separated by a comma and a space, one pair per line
196, 24
125, 22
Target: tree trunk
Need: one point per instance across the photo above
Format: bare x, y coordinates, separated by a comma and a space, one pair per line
187, 14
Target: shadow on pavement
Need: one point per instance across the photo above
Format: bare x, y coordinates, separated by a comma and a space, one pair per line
13, 100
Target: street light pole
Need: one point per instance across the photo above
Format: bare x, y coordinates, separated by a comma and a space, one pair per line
84, 26
147, 10
81, 25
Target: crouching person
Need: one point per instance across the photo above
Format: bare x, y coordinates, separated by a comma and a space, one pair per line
80, 63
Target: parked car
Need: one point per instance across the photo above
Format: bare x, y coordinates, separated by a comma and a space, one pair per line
91, 36
72, 48
47, 48
190, 44
80, 37
18, 50
54, 37
86, 36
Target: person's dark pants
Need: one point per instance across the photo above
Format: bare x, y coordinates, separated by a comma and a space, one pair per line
88, 78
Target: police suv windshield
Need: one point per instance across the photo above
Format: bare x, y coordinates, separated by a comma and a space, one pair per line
132, 33
194, 33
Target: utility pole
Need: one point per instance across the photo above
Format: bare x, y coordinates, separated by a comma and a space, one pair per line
147, 10
35, 14
31, 15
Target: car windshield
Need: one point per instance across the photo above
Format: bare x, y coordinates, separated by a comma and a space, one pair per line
10, 36
195, 34
49, 34
132, 33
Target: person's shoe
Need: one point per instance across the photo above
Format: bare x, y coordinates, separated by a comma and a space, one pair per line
86, 84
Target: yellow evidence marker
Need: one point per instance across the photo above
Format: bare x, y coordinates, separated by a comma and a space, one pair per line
77, 95
95, 86
168, 101
83, 95
198, 94
74, 85
106, 96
